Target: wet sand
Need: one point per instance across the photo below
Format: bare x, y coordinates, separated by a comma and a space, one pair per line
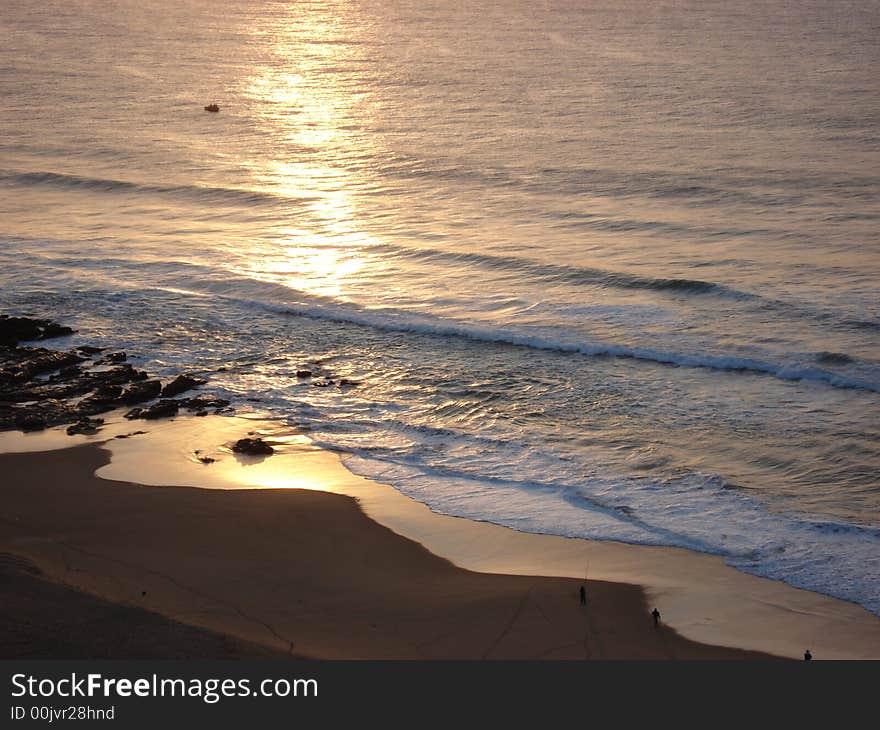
699, 595
297, 571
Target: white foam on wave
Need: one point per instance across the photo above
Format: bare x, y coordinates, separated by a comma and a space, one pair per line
394, 320
242, 291
697, 512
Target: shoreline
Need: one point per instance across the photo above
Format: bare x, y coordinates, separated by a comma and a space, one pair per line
699, 597
302, 571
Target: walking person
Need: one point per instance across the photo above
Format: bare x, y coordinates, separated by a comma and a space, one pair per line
583, 593
655, 614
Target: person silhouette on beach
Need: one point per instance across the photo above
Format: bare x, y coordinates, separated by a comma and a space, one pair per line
807, 655
655, 614
583, 593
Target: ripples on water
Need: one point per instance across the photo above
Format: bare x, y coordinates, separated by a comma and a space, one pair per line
603, 269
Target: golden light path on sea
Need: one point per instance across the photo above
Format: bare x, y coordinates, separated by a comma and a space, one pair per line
313, 116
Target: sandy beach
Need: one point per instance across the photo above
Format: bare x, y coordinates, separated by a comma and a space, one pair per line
43, 619
297, 571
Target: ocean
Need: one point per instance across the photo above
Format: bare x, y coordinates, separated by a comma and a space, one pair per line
600, 269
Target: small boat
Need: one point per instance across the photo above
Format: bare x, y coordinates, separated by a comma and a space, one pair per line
212, 108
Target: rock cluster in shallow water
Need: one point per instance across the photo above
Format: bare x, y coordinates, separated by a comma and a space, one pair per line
40, 388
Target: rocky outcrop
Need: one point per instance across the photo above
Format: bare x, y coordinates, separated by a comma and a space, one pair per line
85, 426
22, 329
140, 392
41, 388
162, 409
203, 402
181, 384
252, 447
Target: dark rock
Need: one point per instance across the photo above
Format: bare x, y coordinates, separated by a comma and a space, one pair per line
42, 388
16, 329
140, 392
346, 383
325, 382
201, 402
7, 418
63, 389
30, 422
85, 426
304, 373
69, 373
51, 329
119, 375
108, 391
92, 406
207, 460
20, 394
254, 447
181, 384
45, 361
201, 413
127, 435
162, 409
